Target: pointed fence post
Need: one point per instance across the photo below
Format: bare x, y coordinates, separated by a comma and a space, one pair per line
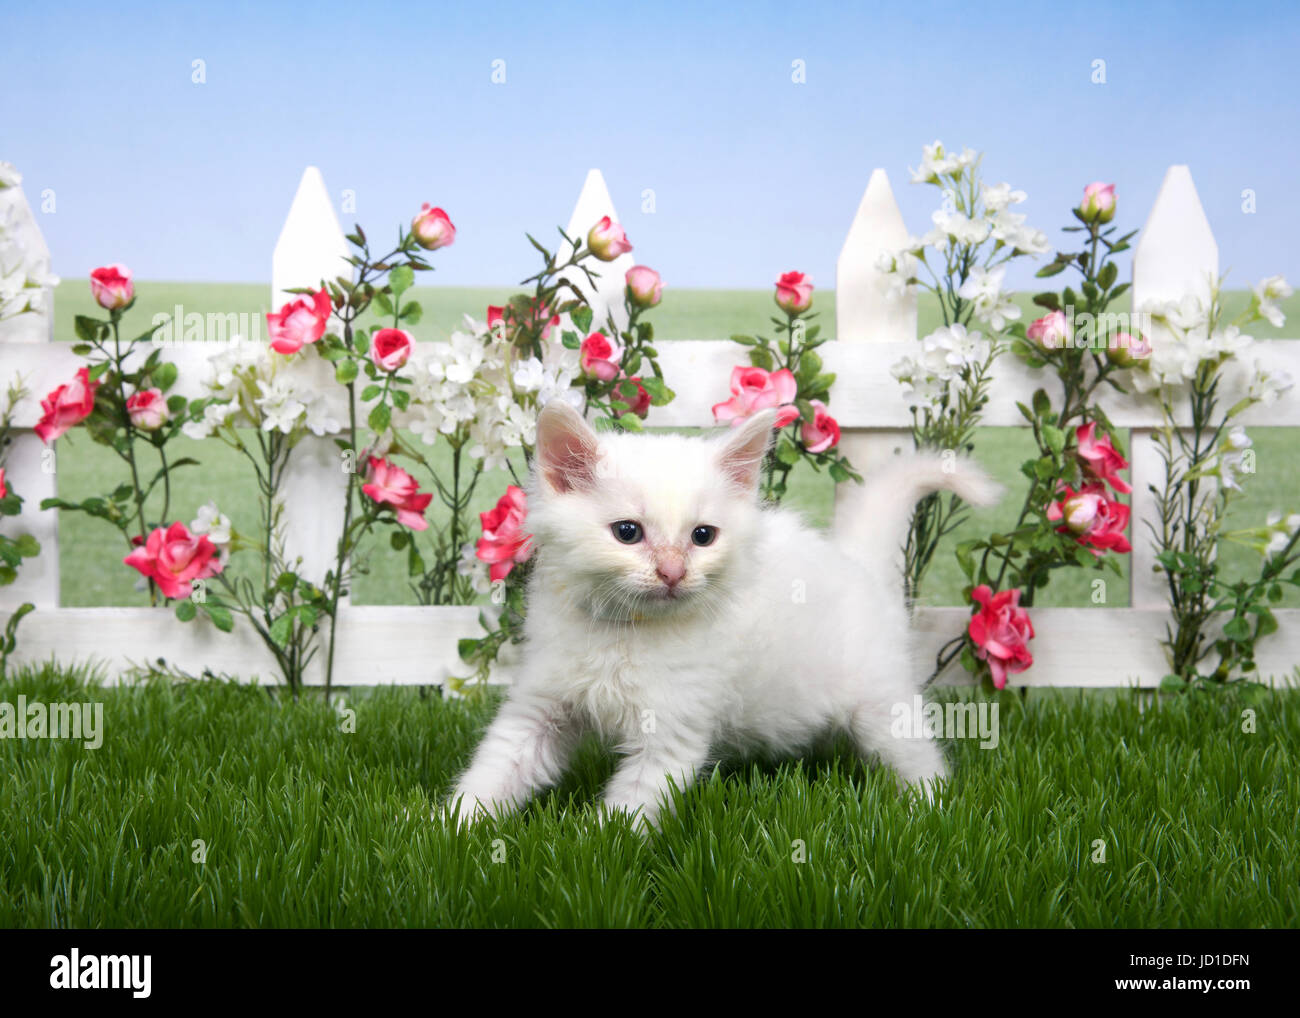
1176, 256
311, 248
606, 297
29, 467
866, 311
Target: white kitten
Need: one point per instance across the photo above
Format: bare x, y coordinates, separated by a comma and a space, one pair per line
678, 619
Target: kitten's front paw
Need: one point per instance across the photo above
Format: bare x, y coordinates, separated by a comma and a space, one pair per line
463, 809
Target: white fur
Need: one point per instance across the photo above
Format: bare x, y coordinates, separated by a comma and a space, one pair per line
781, 635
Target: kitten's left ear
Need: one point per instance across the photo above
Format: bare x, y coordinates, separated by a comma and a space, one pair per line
741, 457
567, 448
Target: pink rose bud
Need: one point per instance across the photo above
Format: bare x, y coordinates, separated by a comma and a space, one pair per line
390, 349
432, 228
607, 240
1096, 521
1125, 350
644, 286
600, 359
111, 287
1098, 203
174, 558
4, 492
1051, 332
147, 409
504, 542
1101, 459
67, 405
822, 432
794, 293
299, 322
639, 406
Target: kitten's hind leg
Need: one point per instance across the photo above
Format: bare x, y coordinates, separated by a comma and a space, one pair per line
641, 783
915, 757
526, 748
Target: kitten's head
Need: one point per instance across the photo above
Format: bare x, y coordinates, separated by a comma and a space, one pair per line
641, 526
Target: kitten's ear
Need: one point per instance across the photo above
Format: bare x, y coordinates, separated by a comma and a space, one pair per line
567, 448
741, 457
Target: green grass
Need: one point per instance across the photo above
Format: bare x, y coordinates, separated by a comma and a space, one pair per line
306, 825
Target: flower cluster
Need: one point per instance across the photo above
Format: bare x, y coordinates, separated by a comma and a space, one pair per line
23, 277
947, 355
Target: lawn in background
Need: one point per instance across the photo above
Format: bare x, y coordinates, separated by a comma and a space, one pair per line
92, 572
306, 825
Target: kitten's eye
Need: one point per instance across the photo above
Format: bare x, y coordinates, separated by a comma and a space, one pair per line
704, 535
627, 531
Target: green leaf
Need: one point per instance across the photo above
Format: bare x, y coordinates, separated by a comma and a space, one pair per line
1172, 684
400, 279
371, 392
27, 545
185, 610
411, 313
1042, 403
1051, 269
659, 393
570, 339
380, 417
1107, 275
345, 371
744, 340
383, 305
281, 629
1054, 438
220, 616
582, 318
761, 357
87, 329
467, 649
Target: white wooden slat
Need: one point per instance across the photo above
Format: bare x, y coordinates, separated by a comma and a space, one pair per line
865, 310
27, 469
594, 203
404, 645
377, 645
1147, 587
311, 248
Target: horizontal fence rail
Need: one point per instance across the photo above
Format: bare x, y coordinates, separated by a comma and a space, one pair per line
1095, 646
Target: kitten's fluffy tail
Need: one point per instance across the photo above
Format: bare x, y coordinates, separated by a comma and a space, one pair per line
871, 526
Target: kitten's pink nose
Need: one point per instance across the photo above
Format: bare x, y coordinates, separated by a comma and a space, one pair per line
671, 569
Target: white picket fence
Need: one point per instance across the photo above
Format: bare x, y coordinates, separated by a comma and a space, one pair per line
1095, 646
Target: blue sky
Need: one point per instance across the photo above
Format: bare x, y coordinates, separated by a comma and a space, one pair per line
752, 173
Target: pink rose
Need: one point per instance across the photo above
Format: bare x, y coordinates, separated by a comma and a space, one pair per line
432, 228
1051, 332
644, 286
1093, 519
1100, 458
299, 322
389, 484
754, 389
607, 240
4, 491
823, 431
147, 409
390, 348
1125, 350
1000, 630
111, 287
639, 406
600, 358
794, 293
67, 405
1098, 203
504, 542
174, 557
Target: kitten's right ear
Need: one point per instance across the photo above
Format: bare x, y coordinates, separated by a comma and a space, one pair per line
567, 448
743, 450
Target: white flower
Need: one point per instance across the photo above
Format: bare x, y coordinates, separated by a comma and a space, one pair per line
1268, 292
998, 197
214, 416
279, 405
936, 163
213, 522
956, 347
961, 228
9, 175
1266, 386
992, 305
1229, 342
530, 375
